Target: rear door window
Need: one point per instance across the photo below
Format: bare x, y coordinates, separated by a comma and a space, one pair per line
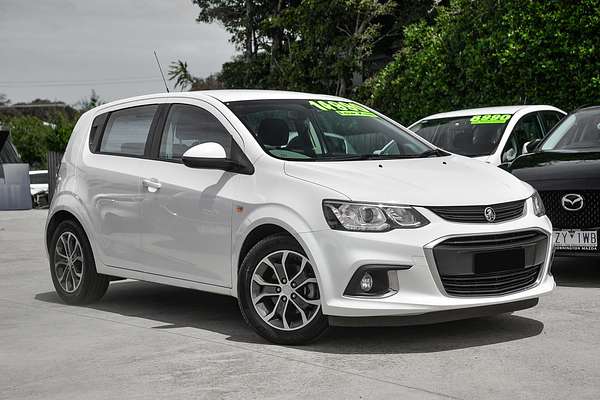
550, 119
127, 131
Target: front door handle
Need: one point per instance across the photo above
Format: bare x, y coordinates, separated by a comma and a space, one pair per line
152, 185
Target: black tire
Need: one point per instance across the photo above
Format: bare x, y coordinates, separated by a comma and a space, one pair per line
312, 331
93, 285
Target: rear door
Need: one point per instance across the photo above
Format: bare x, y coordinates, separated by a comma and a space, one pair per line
111, 181
187, 212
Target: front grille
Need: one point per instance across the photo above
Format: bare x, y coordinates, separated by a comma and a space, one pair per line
475, 214
587, 217
491, 265
493, 283
484, 242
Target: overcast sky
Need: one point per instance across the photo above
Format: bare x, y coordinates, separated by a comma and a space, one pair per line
62, 49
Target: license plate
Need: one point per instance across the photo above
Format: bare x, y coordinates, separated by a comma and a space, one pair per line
575, 240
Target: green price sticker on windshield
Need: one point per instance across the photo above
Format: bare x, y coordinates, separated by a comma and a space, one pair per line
490, 119
343, 108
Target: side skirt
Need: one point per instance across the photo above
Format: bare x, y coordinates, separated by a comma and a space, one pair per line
125, 273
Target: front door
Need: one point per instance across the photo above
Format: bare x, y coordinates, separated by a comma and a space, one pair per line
187, 212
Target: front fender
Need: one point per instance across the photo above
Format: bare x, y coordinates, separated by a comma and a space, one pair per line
270, 214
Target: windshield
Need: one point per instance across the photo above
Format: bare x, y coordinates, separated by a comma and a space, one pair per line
325, 130
472, 136
578, 132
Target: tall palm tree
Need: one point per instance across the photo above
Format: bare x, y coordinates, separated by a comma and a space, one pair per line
178, 71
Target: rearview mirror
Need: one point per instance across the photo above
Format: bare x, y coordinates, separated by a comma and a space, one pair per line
211, 155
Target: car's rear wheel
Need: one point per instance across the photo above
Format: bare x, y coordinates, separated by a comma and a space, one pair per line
279, 294
72, 266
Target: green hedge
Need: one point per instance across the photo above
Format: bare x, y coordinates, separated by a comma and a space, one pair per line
492, 52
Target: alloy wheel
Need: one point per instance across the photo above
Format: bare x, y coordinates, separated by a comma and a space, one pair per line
284, 290
68, 262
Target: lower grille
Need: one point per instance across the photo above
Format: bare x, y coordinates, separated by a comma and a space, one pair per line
476, 214
587, 217
492, 283
491, 265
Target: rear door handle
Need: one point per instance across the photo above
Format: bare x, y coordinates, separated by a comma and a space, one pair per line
152, 185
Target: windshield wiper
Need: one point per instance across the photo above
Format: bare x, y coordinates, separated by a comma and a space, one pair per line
352, 157
431, 153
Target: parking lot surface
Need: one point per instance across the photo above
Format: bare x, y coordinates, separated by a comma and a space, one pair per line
149, 341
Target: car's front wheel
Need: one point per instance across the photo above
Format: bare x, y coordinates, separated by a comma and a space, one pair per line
72, 265
279, 294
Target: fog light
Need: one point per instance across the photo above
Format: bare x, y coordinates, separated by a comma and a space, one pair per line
366, 283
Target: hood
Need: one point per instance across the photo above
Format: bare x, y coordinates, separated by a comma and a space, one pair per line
552, 170
434, 181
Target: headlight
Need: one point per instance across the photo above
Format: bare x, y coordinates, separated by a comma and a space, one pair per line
538, 205
362, 217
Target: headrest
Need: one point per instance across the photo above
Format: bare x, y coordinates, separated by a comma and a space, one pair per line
273, 132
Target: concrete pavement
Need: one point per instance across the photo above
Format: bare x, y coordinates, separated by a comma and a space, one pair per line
149, 341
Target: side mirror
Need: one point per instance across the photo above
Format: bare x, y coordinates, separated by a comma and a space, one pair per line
530, 146
211, 155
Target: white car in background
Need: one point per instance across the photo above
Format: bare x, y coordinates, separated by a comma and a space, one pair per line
285, 201
38, 185
496, 135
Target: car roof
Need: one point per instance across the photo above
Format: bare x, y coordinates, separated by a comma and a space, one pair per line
489, 110
228, 95
587, 108
240, 94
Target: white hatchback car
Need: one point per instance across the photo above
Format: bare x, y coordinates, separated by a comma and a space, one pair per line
285, 201
496, 135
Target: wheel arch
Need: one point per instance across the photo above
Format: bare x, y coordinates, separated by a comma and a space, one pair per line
55, 220
257, 232
67, 206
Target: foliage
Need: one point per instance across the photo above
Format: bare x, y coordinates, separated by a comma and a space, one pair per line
40, 126
308, 45
29, 135
178, 71
247, 74
333, 40
88, 103
58, 139
209, 83
489, 52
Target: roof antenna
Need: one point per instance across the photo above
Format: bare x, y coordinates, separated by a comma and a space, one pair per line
161, 71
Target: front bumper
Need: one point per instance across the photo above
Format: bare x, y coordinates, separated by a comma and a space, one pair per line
337, 255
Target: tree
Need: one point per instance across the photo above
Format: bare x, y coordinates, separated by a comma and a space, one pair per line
178, 71
88, 103
211, 82
311, 44
58, 139
333, 40
29, 135
481, 53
